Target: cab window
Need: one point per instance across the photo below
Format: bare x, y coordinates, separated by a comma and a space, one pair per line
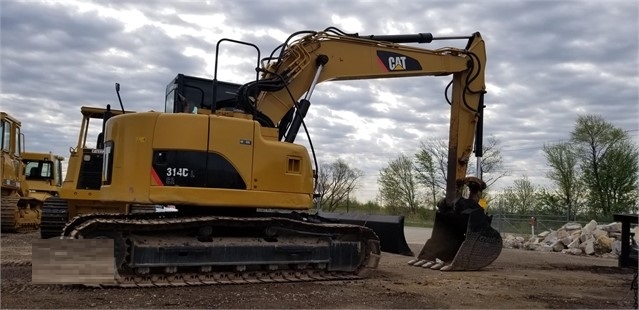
168, 105
18, 150
6, 136
39, 170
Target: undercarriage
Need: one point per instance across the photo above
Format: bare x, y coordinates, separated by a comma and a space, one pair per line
174, 248
19, 214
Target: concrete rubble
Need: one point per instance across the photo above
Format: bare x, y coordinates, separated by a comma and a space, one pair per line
574, 239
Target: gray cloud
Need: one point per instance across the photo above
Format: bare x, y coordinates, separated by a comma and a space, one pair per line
548, 62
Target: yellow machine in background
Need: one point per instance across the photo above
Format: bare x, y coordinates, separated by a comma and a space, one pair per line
81, 186
16, 213
231, 168
28, 179
43, 175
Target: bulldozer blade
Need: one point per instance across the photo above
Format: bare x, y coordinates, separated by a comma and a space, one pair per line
464, 240
73, 261
388, 228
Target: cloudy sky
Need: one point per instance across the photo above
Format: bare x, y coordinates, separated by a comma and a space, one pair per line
548, 62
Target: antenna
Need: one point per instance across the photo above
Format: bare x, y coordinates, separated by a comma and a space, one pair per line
117, 91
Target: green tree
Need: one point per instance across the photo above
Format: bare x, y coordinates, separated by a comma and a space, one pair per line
337, 181
550, 203
521, 198
431, 162
426, 174
609, 163
619, 168
565, 175
398, 185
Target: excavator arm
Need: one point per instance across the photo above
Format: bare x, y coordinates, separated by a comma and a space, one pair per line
462, 237
324, 56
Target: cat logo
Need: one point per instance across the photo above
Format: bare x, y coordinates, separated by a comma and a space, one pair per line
397, 63
391, 61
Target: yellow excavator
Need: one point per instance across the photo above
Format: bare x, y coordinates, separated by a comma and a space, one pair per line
224, 155
28, 179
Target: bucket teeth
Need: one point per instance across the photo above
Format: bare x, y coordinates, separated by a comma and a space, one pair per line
413, 261
428, 264
447, 268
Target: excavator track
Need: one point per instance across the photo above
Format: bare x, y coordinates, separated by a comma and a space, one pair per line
221, 278
54, 217
294, 249
8, 211
10, 219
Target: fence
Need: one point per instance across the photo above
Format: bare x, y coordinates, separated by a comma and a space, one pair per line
521, 224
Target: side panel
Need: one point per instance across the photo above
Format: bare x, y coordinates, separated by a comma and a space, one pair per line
73, 169
203, 160
133, 139
9, 171
281, 167
230, 141
194, 169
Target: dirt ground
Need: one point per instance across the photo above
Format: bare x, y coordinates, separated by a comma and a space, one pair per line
517, 279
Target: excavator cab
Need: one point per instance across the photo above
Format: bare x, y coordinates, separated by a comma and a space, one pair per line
188, 94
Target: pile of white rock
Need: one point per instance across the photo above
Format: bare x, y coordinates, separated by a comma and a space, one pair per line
573, 238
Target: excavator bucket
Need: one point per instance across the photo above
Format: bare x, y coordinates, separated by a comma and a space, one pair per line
388, 228
461, 241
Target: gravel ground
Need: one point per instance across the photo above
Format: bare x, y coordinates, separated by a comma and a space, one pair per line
517, 279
